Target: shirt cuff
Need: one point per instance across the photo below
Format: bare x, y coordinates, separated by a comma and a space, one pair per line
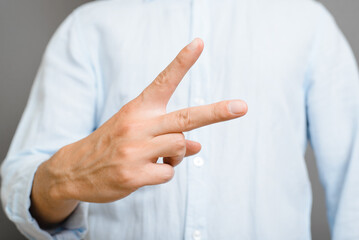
18, 204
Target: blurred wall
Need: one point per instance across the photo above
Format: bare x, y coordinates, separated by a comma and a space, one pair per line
25, 28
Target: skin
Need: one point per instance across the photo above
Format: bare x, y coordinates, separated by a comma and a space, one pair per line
121, 155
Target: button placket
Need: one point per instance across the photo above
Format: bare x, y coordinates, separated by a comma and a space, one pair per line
198, 161
196, 235
199, 75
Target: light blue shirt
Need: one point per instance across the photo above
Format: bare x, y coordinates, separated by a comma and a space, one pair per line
287, 59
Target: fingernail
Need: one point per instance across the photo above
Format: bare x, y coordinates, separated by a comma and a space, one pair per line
237, 107
193, 45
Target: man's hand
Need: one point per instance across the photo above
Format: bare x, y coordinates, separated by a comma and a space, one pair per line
121, 155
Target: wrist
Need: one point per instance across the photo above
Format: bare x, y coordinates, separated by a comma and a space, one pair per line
54, 175
50, 201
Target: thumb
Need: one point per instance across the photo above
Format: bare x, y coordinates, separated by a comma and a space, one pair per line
192, 148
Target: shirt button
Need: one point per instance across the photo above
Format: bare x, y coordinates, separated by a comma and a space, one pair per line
198, 161
199, 101
196, 235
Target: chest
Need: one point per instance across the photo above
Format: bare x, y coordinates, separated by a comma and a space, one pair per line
244, 57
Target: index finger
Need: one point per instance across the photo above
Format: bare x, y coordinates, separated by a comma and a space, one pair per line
162, 88
195, 117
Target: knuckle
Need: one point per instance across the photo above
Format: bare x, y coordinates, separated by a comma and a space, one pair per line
127, 176
128, 128
180, 144
125, 152
124, 176
125, 128
184, 118
128, 109
217, 112
181, 61
161, 78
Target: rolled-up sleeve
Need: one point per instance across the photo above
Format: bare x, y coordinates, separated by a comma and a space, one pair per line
61, 109
333, 123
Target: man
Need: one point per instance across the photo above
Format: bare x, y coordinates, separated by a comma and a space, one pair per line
86, 159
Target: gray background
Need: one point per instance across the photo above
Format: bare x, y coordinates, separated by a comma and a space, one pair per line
25, 28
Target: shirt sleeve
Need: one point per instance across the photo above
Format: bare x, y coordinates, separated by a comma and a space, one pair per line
61, 109
333, 124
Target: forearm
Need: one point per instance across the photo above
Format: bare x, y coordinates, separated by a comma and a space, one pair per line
48, 203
